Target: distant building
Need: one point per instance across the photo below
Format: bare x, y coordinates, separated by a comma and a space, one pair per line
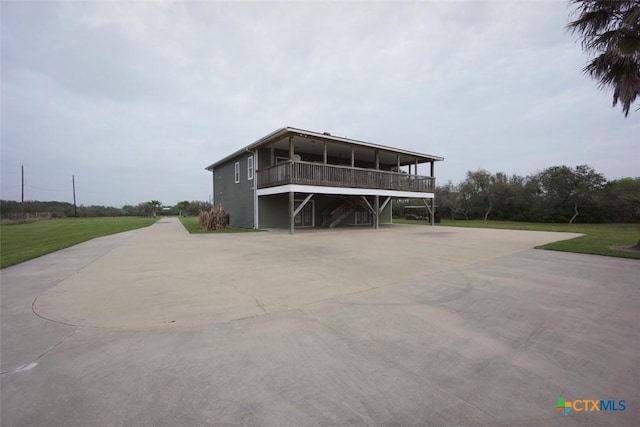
295, 178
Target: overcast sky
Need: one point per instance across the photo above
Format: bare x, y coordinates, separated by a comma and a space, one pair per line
136, 98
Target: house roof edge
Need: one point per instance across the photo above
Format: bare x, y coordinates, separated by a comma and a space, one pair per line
288, 129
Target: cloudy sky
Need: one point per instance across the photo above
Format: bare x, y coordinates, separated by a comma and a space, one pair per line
136, 98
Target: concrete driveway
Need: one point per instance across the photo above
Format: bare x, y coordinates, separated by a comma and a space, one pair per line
407, 325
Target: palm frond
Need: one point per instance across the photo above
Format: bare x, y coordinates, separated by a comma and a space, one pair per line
611, 30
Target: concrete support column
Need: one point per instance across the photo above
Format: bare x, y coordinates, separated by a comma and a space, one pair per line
291, 212
324, 152
352, 156
433, 210
273, 155
376, 208
415, 172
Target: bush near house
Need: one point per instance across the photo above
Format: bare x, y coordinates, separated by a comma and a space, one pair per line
215, 219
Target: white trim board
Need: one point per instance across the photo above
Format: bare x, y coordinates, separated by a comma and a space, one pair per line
296, 188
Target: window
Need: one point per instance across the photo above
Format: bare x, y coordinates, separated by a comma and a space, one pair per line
237, 172
250, 168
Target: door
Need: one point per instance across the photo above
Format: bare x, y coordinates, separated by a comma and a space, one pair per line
306, 217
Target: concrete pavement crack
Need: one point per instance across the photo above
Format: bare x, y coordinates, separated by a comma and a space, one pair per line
249, 295
47, 351
260, 305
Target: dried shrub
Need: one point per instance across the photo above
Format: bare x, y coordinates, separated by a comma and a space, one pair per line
215, 219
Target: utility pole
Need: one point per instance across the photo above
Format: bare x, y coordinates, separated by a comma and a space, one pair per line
22, 204
75, 208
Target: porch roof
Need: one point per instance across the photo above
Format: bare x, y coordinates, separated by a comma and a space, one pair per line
309, 141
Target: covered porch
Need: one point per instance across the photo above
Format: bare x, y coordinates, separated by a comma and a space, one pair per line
300, 168
325, 158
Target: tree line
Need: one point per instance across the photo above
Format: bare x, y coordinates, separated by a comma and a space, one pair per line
557, 194
10, 209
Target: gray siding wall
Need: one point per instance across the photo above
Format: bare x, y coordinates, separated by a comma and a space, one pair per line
385, 215
274, 211
235, 198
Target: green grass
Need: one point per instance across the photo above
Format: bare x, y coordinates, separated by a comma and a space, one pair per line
22, 242
192, 224
597, 239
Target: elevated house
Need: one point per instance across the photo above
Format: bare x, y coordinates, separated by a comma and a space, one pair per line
295, 178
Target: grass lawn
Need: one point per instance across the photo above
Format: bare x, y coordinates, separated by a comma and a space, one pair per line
597, 240
192, 224
22, 242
